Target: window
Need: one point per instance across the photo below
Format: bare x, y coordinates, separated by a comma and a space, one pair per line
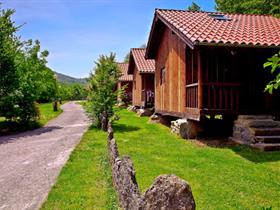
162, 76
219, 16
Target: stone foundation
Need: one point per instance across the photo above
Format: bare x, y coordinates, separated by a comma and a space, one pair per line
154, 119
144, 112
132, 108
187, 129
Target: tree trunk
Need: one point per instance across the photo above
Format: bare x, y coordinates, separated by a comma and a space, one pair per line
55, 106
104, 121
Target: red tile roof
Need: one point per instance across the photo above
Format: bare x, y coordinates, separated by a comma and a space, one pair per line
124, 69
143, 65
200, 28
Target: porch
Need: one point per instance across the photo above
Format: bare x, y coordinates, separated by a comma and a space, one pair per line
228, 81
147, 92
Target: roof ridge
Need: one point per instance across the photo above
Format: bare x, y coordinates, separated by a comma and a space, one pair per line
138, 48
214, 12
121, 62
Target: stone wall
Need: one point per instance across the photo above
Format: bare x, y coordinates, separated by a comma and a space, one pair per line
167, 192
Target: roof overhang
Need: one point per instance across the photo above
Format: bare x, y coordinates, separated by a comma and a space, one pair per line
131, 63
159, 22
214, 44
153, 42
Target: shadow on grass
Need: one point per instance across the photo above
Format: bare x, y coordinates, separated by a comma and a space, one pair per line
255, 155
121, 128
243, 151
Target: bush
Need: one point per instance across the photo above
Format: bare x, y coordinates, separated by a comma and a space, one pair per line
103, 95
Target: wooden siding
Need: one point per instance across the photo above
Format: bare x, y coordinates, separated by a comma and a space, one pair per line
171, 95
137, 87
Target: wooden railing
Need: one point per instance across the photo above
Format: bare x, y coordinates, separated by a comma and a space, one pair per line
222, 96
148, 96
192, 95
216, 96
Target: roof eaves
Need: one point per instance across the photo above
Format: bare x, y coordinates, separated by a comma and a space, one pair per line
147, 72
235, 45
150, 35
177, 32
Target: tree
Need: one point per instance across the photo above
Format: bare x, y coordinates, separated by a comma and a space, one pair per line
48, 87
24, 75
271, 7
126, 58
274, 64
30, 65
103, 96
9, 44
194, 7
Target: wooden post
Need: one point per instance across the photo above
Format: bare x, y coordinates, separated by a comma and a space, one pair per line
119, 87
199, 78
55, 106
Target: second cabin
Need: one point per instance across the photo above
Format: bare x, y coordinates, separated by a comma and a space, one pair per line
143, 70
125, 81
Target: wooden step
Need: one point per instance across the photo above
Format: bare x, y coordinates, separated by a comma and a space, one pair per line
266, 146
266, 131
255, 117
268, 139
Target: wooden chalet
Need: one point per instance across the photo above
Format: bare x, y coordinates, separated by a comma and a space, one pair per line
143, 78
125, 81
212, 63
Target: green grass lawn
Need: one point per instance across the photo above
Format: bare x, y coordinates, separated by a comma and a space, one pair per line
46, 114
85, 182
221, 178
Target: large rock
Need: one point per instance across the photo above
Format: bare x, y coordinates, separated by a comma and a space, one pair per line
132, 108
187, 129
168, 192
155, 118
113, 150
144, 112
125, 182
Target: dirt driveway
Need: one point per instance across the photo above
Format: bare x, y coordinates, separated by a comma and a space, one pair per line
31, 161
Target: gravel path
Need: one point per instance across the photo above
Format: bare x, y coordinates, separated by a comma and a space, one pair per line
31, 161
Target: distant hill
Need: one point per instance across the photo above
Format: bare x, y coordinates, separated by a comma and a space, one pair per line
69, 80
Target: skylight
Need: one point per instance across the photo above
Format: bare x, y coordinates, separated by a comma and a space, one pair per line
219, 17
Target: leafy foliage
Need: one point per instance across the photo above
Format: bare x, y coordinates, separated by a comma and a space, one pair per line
74, 91
126, 58
271, 7
103, 81
25, 78
274, 63
194, 7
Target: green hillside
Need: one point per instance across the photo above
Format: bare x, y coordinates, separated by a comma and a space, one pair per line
69, 80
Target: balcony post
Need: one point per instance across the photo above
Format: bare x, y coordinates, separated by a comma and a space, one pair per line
199, 78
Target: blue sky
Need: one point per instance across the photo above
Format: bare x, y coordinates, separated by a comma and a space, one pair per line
76, 32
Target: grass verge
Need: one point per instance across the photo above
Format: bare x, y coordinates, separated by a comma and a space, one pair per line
85, 182
221, 178
46, 114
